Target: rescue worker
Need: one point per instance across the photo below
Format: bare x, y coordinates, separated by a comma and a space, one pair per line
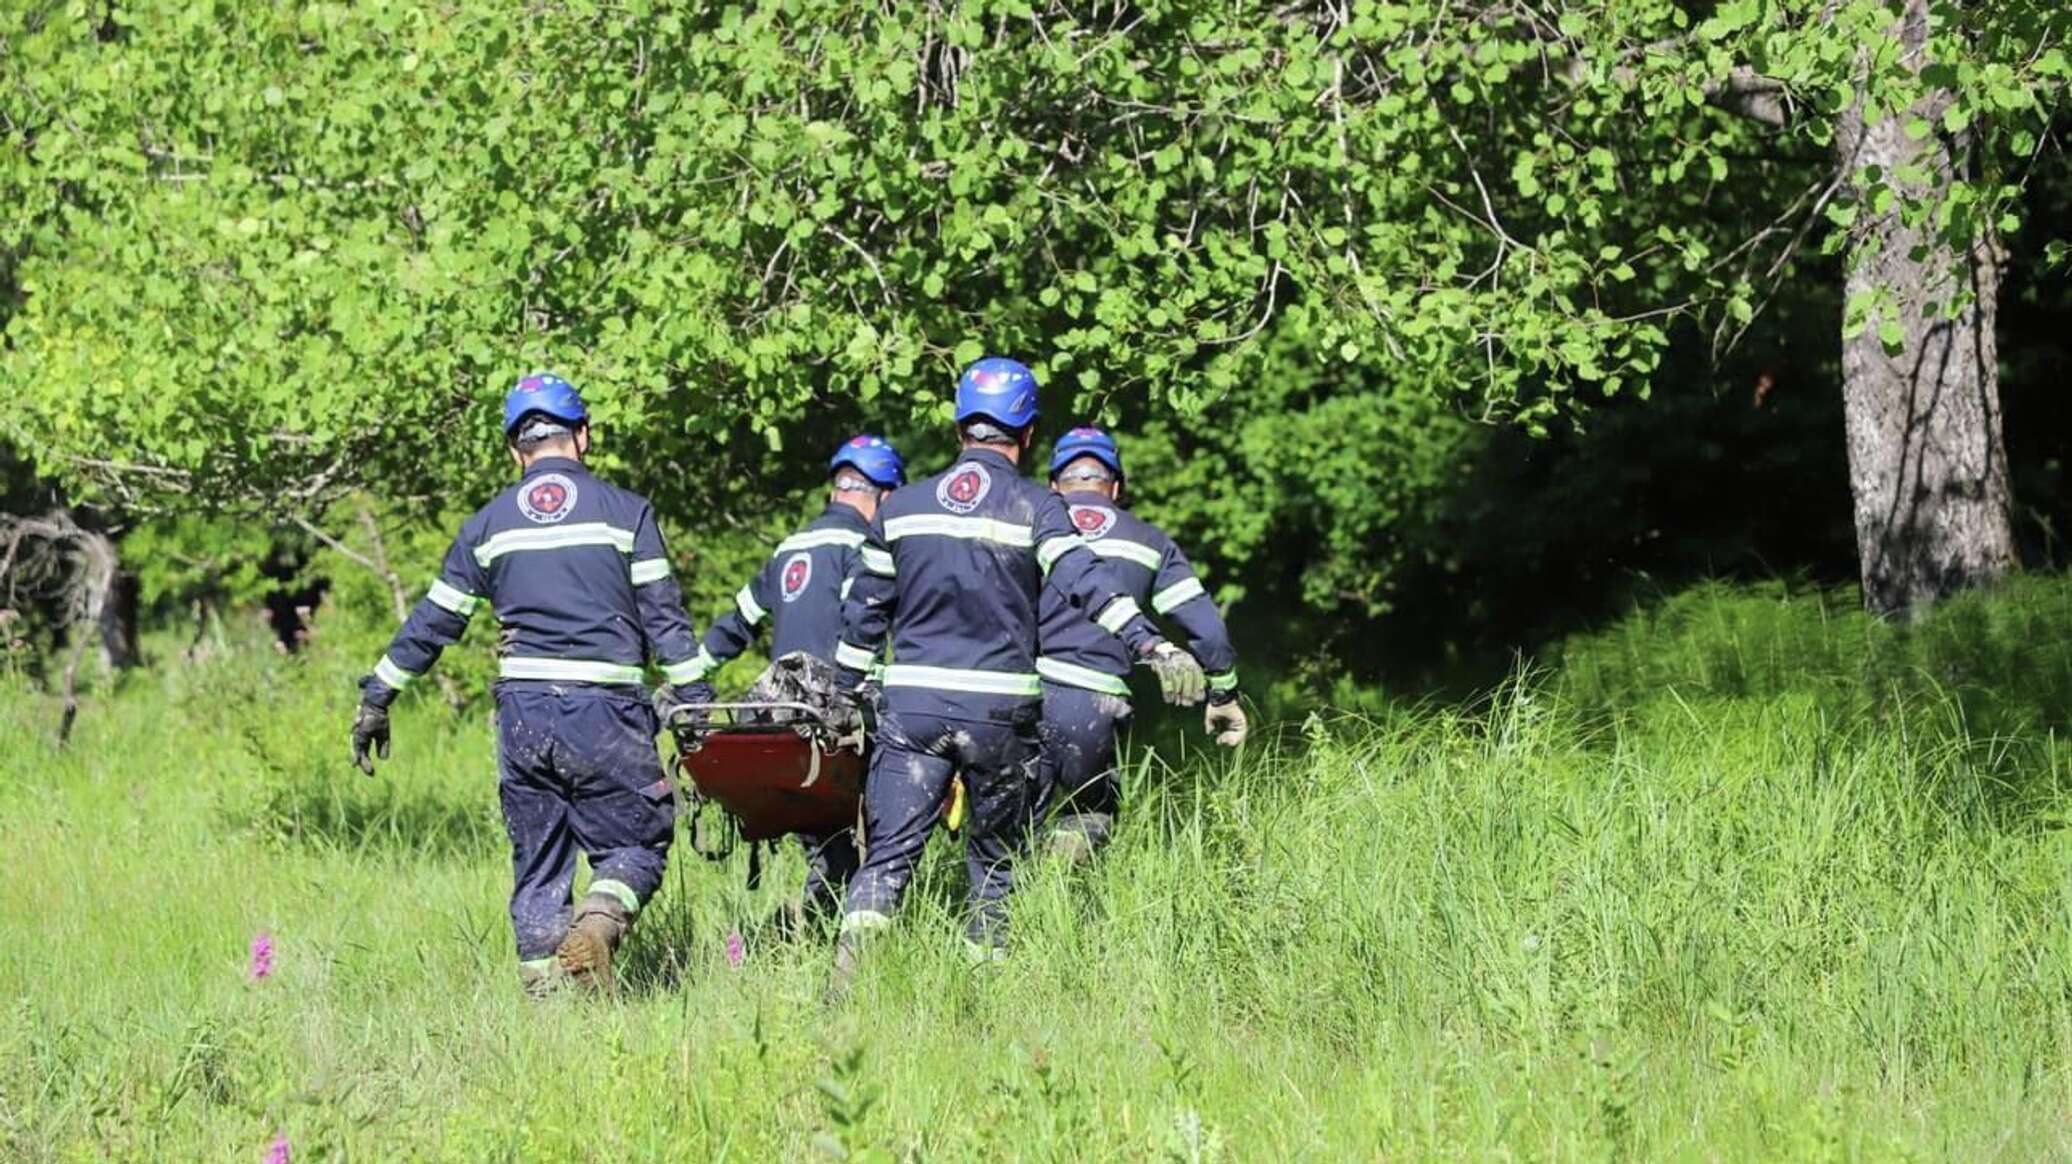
576, 574
952, 569
799, 591
1085, 668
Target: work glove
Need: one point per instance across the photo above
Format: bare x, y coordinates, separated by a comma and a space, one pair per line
1225, 721
1180, 676
370, 736
676, 706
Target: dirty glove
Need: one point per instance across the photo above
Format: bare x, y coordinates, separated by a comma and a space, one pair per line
370, 736
1225, 721
1180, 677
675, 706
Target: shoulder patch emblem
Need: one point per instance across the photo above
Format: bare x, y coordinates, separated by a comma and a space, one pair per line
964, 487
797, 572
547, 499
1092, 521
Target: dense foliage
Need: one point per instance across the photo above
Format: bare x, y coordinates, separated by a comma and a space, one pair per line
265, 256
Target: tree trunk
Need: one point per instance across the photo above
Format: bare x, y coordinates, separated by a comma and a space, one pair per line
1927, 463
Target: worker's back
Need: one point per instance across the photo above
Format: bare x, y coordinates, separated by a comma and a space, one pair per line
1153, 571
968, 566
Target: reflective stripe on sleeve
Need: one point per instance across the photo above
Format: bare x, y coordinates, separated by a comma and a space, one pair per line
1137, 552
652, 570
943, 525
1117, 614
847, 585
957, 679
750, 609
690, 670
568, 670
1052, 549
396, 677
560, 537
814, 539
855, 658
1227, 681
1074, 675
452, 598
877, 561
1186, 589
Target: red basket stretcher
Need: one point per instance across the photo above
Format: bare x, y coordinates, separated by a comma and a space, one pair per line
800, 775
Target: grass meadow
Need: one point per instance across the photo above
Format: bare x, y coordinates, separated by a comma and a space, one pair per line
1741, 877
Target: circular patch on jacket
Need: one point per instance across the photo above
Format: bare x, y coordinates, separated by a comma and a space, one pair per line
547, 499
797, 572
1092, 521
964, 488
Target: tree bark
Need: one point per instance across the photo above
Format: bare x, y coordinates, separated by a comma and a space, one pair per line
1927, 461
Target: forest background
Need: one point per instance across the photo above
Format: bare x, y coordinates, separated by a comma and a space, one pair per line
1433, 330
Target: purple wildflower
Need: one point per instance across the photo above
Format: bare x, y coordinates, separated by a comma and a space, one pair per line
277, 1152
736, 949
262, 965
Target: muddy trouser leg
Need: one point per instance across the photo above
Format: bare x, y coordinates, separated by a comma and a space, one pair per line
998, 762
902, 799
536, 815
622, 809
1080, 789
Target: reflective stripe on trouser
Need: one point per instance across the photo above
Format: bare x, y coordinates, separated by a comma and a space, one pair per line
578, 771
1078, 771
908, 789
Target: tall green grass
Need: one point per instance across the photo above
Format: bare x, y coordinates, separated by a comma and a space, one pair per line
1743, 878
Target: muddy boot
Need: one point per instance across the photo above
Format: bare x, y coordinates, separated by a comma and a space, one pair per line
541, 978
1076, 837
585, 955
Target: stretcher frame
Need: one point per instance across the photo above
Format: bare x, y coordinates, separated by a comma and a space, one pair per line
771, 779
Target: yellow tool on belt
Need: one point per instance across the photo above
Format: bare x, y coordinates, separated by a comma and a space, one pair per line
953, 816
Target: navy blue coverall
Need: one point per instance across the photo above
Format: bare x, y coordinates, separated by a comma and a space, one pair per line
576, 574
799, 592
1085, 668
953, 570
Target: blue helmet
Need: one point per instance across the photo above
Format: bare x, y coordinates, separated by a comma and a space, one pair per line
872, 456
544, 392
999, 389
1086, 442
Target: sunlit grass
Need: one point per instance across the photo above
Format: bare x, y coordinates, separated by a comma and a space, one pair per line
1721, 887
